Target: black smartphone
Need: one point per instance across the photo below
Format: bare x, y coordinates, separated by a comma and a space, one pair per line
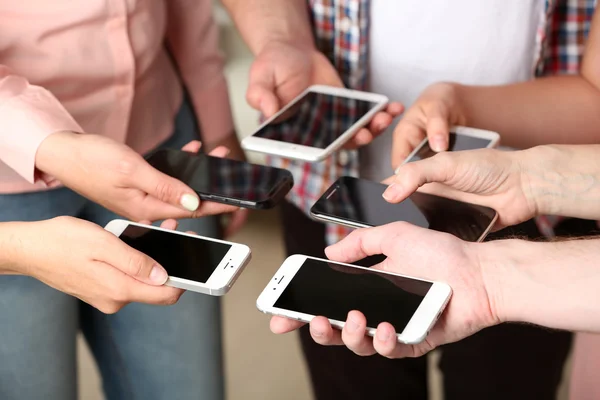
225, 181
357, 203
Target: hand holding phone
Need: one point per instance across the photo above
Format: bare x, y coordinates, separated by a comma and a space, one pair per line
193, 262
432, 257
302, 129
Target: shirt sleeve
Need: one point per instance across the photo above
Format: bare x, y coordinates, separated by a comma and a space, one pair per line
193, 37
28, 114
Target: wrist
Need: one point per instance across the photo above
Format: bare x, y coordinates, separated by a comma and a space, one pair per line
11, 248
53, 152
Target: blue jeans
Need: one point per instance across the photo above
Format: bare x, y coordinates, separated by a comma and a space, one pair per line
143, 352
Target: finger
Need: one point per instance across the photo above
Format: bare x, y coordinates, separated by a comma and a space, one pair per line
380, 122
170, 224
394, 109
155, 209
354, 334
238, 219
408, 134
323, 333
192, 147
261, 90
362, 243
438, 130
281, 325
132, 262
362, 138
164, 188
385, 341
220, 152
158, 295
409, 177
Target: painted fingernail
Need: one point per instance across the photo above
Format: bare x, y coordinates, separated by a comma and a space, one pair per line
383, 335
190, 202
158, 275
392, 192
438, 144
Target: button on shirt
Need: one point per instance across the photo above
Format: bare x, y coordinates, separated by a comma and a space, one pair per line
101, 66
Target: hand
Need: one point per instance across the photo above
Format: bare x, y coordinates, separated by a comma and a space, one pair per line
84, 260
487, 177
431, 116
281, 71
235, 221
116, 177
420, 253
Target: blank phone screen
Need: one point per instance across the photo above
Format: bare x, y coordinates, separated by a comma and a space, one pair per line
221, 176
182, 256
306, 122
332, 290
455, 143
360, 201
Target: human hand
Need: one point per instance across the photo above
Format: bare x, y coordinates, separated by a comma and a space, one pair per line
420, 253
487, 177
116, 177
84, 260
281, 71
435, 111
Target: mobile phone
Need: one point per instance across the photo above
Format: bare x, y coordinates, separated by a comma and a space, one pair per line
223, 180
357, 203
305, 287
193, 262
461, 138
301, 130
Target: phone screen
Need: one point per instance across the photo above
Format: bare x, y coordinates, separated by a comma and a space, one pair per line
305, 122
360, 201
332, 290
456, 142
181, 256
223, 177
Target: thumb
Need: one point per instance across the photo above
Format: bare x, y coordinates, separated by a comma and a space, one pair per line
134, 263
261, 93
166, 189
438, 131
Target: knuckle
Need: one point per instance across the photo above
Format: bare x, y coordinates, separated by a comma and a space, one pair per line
136, 265
110, 307
164, 190
127, 164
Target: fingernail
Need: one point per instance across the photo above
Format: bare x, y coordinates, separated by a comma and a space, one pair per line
391, 192
158, 275
351, 325
190, 202
383, 335
438, 144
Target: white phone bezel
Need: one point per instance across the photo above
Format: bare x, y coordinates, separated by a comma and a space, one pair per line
222, 278
493, 137
313, 154
415, 331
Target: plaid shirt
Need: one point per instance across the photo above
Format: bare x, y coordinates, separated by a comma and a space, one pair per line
560, 50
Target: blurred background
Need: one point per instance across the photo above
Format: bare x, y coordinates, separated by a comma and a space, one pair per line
259, 365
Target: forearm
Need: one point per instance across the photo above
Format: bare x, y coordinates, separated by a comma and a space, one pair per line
10, 248
562, 180
264, 21
549, 284
560, 110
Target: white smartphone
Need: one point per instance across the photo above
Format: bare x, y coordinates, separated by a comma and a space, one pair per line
461, 138
300, 130
305, 287
193, 262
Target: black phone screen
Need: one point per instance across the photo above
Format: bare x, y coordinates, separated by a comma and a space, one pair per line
332, 290
181, 256
456, 142
223, 177
360, 201
306, 121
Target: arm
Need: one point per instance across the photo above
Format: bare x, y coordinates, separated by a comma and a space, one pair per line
561, 109
29, 114
9, 247
548, 284
193, 38
264, 21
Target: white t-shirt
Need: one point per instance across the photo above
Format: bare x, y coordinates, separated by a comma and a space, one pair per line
414, 43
